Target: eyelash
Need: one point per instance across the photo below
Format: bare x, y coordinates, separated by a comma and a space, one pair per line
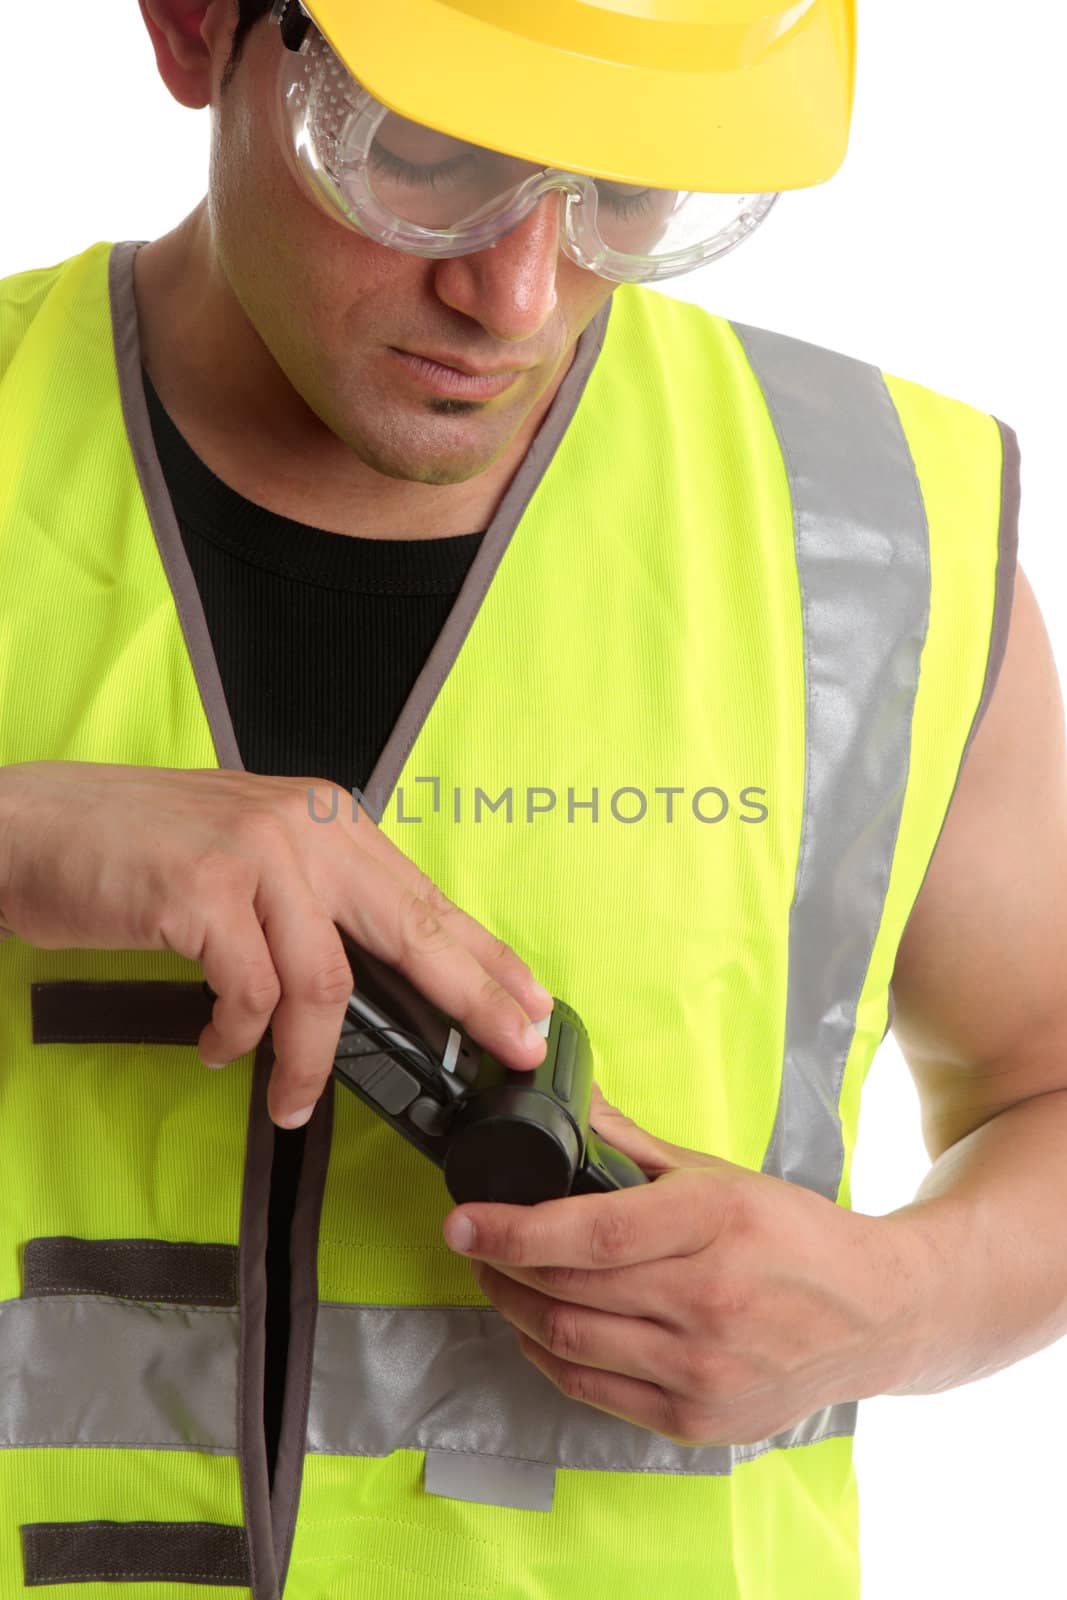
426, 177
421, 177
629, 205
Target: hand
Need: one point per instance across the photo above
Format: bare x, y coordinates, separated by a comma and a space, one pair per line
714, 1306
230, 869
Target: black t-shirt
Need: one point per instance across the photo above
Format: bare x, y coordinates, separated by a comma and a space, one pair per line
319, 639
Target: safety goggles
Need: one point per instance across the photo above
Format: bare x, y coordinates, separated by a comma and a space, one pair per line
421, 191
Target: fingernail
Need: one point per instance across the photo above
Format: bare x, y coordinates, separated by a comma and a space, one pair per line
216, 1066
296, 1119
459, 1233
533, 1035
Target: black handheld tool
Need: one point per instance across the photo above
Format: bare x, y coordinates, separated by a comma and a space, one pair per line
495, 1132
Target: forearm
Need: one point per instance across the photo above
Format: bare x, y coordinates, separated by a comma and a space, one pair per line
990, 1225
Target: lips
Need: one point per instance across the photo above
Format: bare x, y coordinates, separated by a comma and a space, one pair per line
462, 366
445, 379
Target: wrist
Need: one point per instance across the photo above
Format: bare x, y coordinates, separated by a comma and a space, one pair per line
924, 1286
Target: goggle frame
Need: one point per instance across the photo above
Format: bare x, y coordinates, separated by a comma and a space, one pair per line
356, 204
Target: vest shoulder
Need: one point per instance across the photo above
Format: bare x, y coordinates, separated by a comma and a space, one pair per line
799, 352
646, 310
688, 333
639, 310
919, 405
24, 295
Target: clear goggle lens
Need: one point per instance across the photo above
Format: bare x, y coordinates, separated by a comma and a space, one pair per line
424, 192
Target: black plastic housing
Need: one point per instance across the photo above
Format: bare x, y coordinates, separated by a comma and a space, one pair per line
495, 1132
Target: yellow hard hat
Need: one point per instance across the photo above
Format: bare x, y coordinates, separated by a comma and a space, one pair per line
733, 96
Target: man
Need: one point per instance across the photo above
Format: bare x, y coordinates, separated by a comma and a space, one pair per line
680, 645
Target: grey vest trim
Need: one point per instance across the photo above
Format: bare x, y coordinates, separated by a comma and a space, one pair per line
127, 339
862, 552
452, 1378
76, 1372
252, 1450
1007, 563
134, 1552
303, 1316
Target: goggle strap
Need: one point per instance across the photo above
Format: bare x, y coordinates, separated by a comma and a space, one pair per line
294, 23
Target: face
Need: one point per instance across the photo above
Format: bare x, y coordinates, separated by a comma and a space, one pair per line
333, 307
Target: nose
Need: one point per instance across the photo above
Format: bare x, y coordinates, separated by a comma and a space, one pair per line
509, 287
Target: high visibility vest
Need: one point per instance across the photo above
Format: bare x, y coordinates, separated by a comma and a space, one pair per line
687, 742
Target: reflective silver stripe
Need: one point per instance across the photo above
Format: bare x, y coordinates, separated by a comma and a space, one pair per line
453, 1378
862, 551
100, 1372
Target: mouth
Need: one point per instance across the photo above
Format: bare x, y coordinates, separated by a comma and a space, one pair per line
445, 379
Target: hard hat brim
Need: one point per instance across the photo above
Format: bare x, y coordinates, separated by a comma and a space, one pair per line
743, 107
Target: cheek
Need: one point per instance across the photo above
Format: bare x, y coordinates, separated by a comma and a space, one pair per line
244, 172
266, 234
581, 295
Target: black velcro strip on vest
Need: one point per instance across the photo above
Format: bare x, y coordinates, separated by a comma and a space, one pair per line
132, 1269
119, 1013
134, 1552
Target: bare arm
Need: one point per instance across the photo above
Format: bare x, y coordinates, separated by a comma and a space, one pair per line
230, 869
980, 993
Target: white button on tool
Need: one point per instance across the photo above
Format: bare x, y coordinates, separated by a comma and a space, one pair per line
451, 1055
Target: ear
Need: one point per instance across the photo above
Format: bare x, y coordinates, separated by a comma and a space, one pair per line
187, 36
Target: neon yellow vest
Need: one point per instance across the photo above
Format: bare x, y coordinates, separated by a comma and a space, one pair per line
724, 648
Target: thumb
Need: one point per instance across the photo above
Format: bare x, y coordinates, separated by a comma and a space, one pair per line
651, 1154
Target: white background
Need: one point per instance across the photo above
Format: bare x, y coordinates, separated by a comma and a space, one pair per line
933, 254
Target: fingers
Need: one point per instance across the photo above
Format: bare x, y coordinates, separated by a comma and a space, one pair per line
675, 1215
417, 937
631, 1367
624, 1135
316, 982
450, 976
281, 960
288, 972
631, 1343
643, 1291
653, 1155
237, 964
647, 1404
494, 955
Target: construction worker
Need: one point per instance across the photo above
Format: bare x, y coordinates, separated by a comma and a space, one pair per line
654, 651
